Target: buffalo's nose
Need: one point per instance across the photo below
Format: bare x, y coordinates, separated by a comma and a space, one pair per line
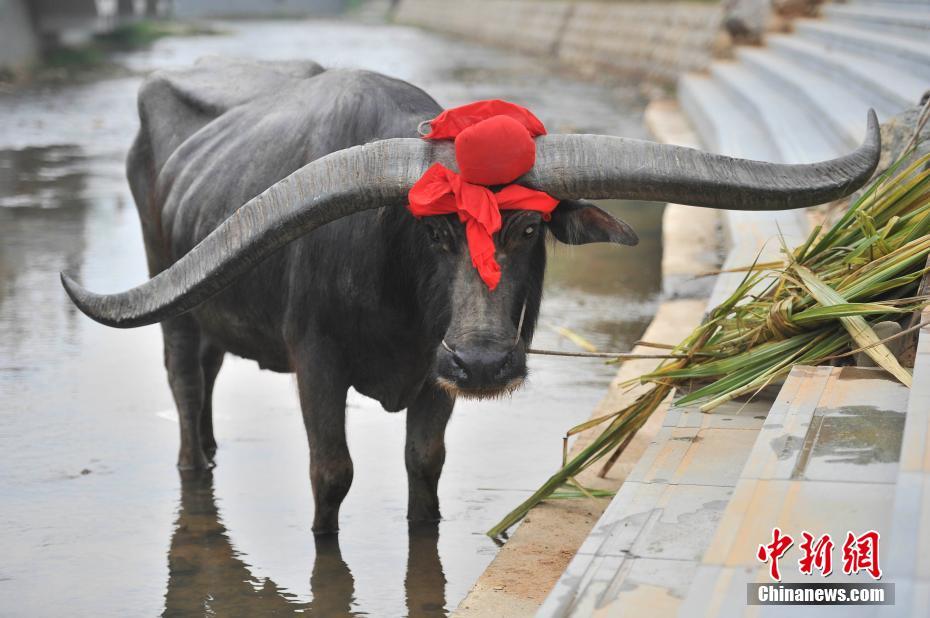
483, 365
480, 367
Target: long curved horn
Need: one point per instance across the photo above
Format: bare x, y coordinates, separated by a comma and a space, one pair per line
381, 173
329, 188
604, 167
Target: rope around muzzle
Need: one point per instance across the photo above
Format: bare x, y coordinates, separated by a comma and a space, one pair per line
607, 355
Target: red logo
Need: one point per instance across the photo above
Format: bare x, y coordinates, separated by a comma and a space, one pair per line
817, 555
860, 553
773, 551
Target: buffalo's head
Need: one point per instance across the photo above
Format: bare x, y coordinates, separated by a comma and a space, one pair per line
483, 351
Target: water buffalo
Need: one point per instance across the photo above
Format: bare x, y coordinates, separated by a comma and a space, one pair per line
236, 163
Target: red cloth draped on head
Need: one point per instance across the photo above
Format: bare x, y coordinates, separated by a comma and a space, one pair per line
493, 146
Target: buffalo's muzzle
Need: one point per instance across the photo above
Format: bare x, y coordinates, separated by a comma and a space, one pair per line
480, 368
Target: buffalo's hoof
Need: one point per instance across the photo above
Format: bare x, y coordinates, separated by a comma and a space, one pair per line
191, 468
195, 474
324, 532
423, 514
209, 449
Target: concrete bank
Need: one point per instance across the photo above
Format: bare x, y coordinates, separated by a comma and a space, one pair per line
658, 40
533, 559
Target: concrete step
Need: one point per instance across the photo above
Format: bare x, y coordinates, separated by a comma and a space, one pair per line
798, 138
646, 548
679, 538
909, 562
722, 126
907, 54
910, 21
885, 87
826, 460
825, 101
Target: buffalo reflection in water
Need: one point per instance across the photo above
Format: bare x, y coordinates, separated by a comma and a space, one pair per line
206, 575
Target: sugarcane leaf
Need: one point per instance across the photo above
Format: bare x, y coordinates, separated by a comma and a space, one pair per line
857, 327
843, 310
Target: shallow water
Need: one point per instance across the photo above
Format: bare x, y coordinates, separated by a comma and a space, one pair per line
94, 518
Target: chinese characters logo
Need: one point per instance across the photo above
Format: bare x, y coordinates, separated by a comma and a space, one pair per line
860, 553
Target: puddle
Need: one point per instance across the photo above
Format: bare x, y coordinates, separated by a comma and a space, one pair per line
853, 442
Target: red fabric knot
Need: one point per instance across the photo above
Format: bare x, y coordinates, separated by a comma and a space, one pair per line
493, 146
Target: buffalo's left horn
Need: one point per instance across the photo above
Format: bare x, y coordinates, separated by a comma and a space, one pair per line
604, 167
381, 173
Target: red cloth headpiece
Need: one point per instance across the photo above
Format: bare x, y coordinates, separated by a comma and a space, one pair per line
493, 146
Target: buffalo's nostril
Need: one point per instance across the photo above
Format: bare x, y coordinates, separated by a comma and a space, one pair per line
460, 364
483, 365
506, 365
450, 364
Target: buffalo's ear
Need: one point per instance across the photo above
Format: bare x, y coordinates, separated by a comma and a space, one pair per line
578, 223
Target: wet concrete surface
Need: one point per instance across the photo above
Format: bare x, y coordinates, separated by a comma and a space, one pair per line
94, 519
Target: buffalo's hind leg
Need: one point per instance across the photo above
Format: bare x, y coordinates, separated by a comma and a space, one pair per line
426, 451
211, 359
322, 391
186, 376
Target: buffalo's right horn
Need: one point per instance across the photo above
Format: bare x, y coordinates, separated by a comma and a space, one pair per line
329, 188
381, 174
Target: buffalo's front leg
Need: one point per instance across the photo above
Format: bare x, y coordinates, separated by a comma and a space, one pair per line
426, 451
211, 359
323, 403
185, 375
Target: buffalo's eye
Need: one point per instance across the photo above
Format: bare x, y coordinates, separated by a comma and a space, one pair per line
434, 234
530, 230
